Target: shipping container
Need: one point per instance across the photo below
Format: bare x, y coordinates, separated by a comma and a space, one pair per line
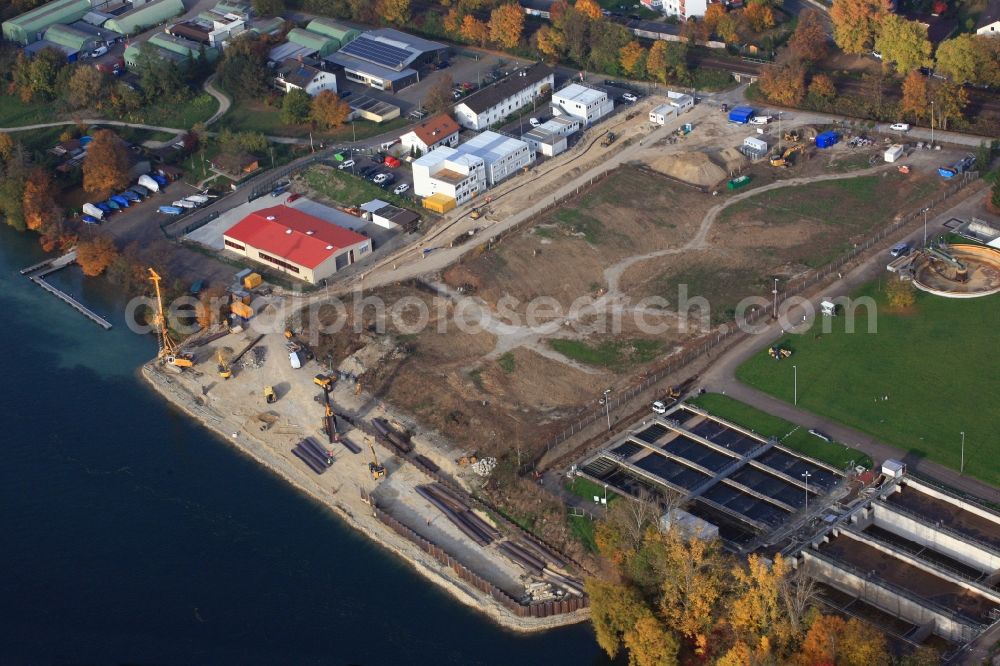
741, 115
827, 139
241, 309
893, 153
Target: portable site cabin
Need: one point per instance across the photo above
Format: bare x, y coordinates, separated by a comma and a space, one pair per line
827, 139
893, 152
755, 145
662, 113
741, 115
29, 26
680, 101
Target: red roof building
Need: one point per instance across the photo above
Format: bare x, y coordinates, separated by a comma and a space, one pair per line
296, 243
437, 131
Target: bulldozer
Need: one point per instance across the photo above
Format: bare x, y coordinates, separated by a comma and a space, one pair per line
225, 370
792, 137
476, 214
609, 139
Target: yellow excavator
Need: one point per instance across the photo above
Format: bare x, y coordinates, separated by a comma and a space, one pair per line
168, 353
783, 160
377, 470
225, 370
270, 397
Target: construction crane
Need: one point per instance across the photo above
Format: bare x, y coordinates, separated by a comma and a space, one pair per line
377, 470
168, 352
225, 371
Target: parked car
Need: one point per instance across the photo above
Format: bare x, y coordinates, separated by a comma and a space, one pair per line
346, 164
280, 189
900, 127
402, 187
630, 98
760, 120
876, 55
659, 407
292, 197
380, 178
534, 122
99, 51
900, 250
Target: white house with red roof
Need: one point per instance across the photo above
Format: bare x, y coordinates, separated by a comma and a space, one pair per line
296, 243
440, 130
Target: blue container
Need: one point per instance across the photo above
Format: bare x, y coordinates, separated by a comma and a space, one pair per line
827, 139
741, 115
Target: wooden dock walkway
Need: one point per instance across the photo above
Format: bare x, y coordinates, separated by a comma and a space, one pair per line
38, 271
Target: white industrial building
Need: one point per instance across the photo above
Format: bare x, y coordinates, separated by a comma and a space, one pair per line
550, 138
493, 103
466, 171
585, 104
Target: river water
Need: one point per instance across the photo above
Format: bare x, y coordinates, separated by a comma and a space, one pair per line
132, 535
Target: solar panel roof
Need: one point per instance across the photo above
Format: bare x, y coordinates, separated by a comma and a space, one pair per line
378, 52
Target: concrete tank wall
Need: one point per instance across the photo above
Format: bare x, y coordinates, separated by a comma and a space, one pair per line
872, 592
933, 537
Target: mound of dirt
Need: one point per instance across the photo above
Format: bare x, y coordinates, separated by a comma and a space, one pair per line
732, 159
695, 168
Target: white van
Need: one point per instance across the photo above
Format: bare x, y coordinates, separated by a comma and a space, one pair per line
760, 120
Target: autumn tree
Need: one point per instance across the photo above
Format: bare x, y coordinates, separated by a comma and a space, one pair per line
969, 58
549, 42
576, 31
949, 101
614, 611
713, 13
506, 25
832, 640
474, 30
106, 165
903, 43
95, 253
650, 644
329, 110
784, 83
667, 61
396, 12
727, 29
856, 23
759, 15
605, 47
822, 87
809, 41
914, 99
295, 107
439, 97
87, 88
453, 22
6, 146
758, 609
632, 58
589, 8
40, 208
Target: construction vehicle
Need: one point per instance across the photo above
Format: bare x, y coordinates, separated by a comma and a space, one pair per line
783, 160
778, 353
609, 139
357, 388
377, 471
325, 382
288, 334
792, 136
225, 371
168, 352
470, 459
270, 397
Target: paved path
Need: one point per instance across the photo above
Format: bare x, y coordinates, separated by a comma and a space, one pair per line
720, 378
224, 101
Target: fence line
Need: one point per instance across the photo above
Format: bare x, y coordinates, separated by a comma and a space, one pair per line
729, 331
520, 609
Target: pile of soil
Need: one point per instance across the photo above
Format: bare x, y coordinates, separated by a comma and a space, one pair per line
732, 159
695, 168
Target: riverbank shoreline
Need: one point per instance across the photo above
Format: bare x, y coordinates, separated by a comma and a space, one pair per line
353, 511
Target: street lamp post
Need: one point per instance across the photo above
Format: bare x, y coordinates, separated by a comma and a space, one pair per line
961, 466
607, 407
927, 208
774, 312
806, 476
932, 122
779, 131
795, 385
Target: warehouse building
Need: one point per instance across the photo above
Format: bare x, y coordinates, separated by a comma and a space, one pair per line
386, 59
324, 26
168, 46
30, 26
76, 40
142, 17
552, 137
440, 130
585, 104
493, 103
318, 43
296, 243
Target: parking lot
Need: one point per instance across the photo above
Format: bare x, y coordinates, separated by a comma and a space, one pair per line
371, 166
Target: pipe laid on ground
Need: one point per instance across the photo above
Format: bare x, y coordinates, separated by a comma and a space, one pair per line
454, 518
315, 466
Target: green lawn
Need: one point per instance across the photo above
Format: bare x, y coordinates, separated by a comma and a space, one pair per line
181, 116
257, 117
617, 355
937, 364
586, 489
15, 113
348, 189
791, 436
582, 529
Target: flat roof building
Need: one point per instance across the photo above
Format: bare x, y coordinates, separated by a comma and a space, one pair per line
585, 104
386, 59
551, 137
493, 103
296, 243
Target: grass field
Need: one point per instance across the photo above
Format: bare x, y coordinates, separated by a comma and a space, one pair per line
936, 364
180, 116
768, 425
616, 355
15, 113
258, 117
348, 189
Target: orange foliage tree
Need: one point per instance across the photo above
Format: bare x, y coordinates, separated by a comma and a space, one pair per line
396, 12
784, 83
857, 22
832, 640
40, 209
474, 30
808, 42
589, 8
106, 166
328, 110
822, 86
759, 15
506, 25
95, 254
914, 95
632, 58
549, 42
